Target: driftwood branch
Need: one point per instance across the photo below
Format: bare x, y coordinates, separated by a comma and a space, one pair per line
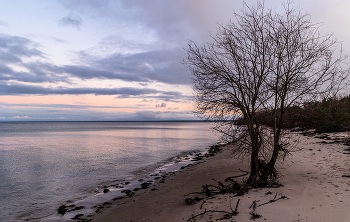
273, 200
227, 215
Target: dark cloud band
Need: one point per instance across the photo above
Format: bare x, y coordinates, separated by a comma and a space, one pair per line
21, 89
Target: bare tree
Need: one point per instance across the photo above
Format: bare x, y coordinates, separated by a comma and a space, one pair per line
263, 61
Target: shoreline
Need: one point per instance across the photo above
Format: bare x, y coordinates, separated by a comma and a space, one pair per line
128, 188
315, 185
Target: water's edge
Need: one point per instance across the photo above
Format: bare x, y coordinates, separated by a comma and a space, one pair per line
124, 188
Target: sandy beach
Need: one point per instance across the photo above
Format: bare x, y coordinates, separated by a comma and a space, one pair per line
315, 187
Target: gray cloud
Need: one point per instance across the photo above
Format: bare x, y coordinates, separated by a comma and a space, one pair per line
14, 48
86, 72
124, 92
178, 21
71, 20
64, 106
173, 21
163, 104
174, 99
161, 66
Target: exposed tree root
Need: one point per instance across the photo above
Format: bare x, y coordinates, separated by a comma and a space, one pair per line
232, 187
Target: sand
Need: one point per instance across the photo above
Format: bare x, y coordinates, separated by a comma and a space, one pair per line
313, 183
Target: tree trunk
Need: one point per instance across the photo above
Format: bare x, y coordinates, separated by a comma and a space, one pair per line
254, 159
270, 172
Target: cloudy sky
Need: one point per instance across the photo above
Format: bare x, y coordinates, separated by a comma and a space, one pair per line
116, 59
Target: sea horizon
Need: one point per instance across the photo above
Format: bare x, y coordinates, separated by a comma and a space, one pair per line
20, 121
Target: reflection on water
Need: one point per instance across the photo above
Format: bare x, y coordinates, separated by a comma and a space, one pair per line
44, 164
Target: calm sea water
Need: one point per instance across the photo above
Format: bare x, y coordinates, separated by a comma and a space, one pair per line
44, 164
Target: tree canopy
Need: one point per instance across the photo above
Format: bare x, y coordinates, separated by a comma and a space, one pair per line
263, 61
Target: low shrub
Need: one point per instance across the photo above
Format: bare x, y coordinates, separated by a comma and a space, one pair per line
328, 115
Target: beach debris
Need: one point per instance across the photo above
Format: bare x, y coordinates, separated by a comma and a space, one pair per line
253, 214
211, 152
231, 178
202, 204
77, 217
206, 190
64, 209
273, 200
80, 219
233, 187
298, 129
236, 209
323, 136
145, 185
268, 192
100, 207
311, 132
106, 203
191, 201
345, 140
345, 175
214, 149
128, 192
106, 190
227, 215
118, 198
198, 157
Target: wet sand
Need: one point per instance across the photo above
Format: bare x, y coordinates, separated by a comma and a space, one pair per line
314, 182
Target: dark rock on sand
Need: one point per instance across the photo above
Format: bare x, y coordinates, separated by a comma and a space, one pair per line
78, 208
145, 185
126, 191
64, 209
77, 217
